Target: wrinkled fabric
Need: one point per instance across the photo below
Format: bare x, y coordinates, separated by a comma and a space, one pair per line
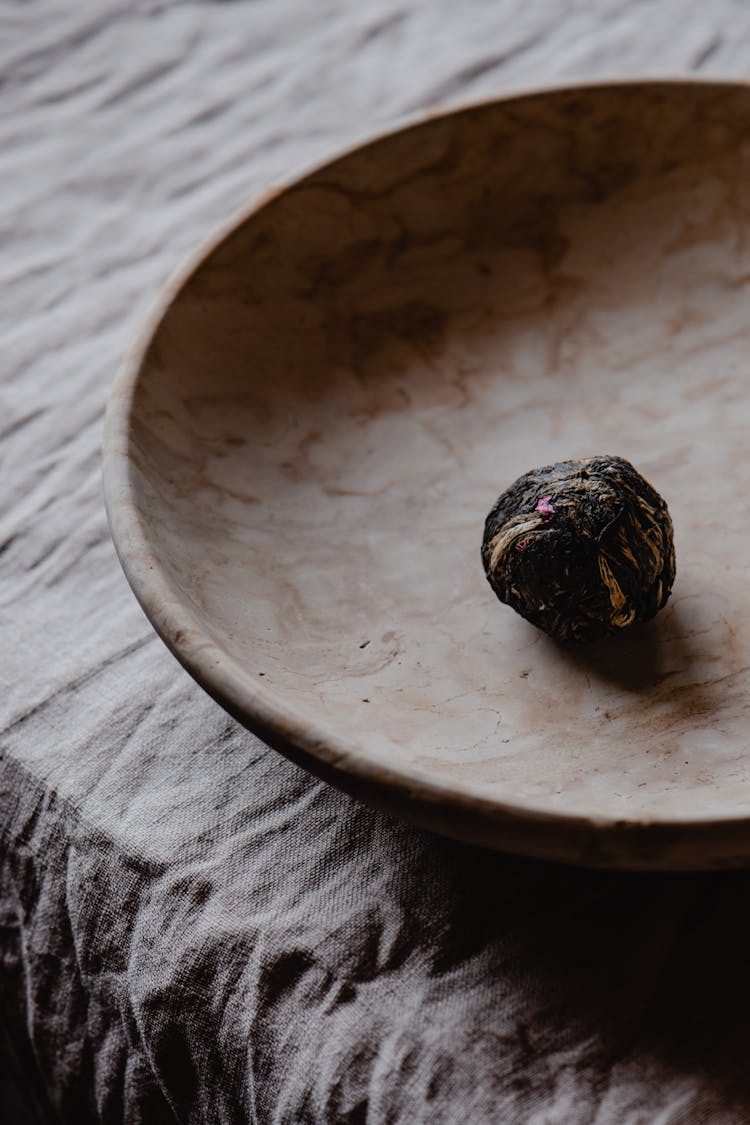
191, 928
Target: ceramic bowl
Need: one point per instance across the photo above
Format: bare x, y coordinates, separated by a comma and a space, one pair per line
301, 450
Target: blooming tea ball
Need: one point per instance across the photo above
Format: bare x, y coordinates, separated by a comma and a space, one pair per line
581, 549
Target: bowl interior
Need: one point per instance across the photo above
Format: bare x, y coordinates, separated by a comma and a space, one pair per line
339, 392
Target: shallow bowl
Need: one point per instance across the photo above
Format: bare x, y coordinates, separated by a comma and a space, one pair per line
301, 450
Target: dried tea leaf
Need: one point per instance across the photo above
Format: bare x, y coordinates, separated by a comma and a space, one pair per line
581, 549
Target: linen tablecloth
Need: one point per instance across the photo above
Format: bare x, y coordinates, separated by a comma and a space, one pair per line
191, 928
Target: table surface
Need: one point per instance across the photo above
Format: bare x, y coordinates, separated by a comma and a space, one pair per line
191, 928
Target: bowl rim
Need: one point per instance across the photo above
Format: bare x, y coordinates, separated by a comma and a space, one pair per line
384, 781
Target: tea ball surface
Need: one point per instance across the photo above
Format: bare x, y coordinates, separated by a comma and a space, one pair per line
581, 549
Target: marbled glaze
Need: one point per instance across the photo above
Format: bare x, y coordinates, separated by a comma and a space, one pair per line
300, 457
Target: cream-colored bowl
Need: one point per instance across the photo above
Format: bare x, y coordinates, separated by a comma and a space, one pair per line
300, 454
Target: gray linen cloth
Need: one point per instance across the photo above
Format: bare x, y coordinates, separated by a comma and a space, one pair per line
191, 928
